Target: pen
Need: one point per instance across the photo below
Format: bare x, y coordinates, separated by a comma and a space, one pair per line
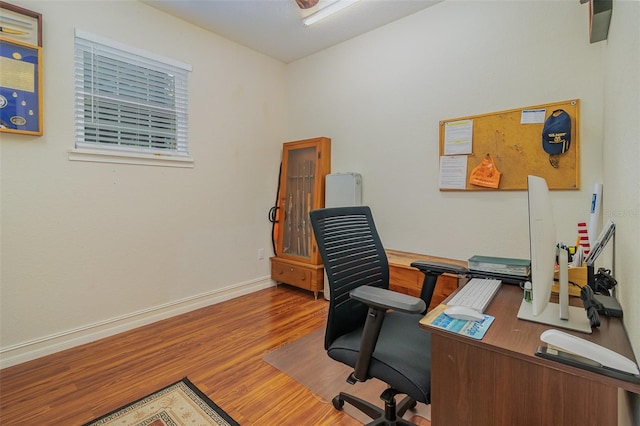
12, 31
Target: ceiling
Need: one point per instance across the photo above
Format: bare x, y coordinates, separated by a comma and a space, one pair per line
275, 28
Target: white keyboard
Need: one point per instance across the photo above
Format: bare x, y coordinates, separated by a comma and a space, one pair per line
476, 294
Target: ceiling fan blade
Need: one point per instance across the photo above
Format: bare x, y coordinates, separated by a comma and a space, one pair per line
306, 4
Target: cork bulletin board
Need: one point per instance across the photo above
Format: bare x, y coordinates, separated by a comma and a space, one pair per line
512, 139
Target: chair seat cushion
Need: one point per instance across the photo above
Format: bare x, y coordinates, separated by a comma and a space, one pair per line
402, 357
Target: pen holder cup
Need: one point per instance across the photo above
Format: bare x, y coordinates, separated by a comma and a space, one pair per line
576, 275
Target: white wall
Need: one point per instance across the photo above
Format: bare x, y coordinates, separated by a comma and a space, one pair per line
89, 248
381, 96
621, 154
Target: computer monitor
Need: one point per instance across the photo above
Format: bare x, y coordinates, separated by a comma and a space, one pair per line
543, 248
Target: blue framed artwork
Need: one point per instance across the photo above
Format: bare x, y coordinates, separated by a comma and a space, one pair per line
20, 88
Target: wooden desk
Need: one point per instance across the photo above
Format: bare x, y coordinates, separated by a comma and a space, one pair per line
406, 279
499, 381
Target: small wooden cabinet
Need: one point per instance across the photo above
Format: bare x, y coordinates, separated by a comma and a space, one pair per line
297, 262
299, 274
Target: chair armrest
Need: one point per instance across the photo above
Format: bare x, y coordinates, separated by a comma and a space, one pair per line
379, 301
432, 271
439, 267
381, 298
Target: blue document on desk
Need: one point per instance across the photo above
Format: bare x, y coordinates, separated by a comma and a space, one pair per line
474, 329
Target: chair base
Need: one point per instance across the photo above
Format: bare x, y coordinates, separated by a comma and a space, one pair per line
391, 415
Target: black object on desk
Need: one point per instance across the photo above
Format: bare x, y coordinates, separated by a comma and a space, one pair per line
609, 305
505, 278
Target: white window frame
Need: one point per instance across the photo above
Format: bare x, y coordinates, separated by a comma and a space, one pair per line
124, 122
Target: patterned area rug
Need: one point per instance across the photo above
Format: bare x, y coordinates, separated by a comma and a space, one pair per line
181, 403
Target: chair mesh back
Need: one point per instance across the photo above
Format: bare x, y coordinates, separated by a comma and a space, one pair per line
353, 256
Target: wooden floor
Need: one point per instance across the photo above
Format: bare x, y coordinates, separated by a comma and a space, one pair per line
219, 348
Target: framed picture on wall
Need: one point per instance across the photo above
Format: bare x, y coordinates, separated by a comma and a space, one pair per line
20, 24
20, 88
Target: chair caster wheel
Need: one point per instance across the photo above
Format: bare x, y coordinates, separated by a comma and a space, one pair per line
413, 405
337, 402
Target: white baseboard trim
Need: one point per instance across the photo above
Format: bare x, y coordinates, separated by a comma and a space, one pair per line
47, 345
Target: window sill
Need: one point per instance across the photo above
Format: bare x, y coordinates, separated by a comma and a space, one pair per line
119, 157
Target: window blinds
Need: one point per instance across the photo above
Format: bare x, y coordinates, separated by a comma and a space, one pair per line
127, 99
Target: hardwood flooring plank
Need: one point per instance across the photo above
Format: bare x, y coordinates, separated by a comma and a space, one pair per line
220, 349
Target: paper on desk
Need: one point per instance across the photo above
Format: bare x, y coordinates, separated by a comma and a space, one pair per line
453, 172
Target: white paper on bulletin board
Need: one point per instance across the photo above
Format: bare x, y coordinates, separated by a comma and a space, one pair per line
458, 137
453, 171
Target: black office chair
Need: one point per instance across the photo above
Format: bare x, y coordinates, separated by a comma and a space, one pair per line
370, 328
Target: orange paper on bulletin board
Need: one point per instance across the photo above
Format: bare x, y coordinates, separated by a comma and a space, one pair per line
485, 174
514, 143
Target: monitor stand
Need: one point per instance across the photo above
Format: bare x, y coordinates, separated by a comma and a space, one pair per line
577, 321
559, 314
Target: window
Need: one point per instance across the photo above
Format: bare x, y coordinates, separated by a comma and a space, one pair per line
129, 103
